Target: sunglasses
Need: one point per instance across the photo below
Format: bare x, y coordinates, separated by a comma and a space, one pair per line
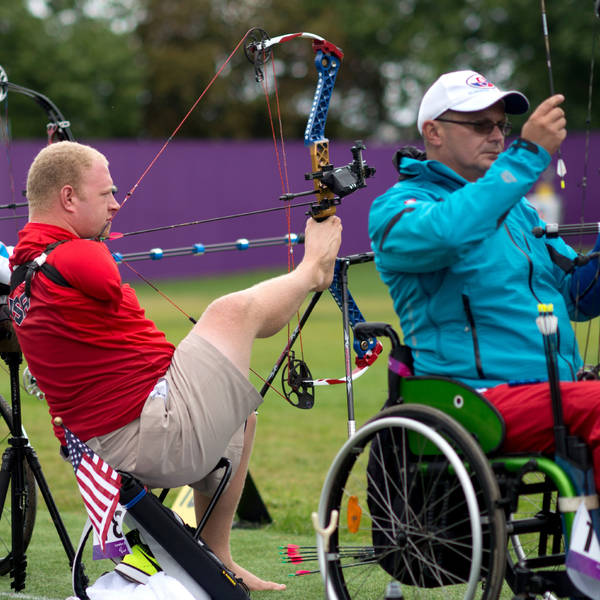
484, 127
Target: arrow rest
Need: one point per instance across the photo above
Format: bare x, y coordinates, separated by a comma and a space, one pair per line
296, 383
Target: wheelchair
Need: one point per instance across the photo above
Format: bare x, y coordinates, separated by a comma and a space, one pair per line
403, 527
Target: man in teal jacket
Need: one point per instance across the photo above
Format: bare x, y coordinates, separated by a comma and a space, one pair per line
453, 241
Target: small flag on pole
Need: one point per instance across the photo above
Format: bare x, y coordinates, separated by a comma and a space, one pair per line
98, 482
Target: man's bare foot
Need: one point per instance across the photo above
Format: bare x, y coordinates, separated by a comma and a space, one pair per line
254, 583
321, 244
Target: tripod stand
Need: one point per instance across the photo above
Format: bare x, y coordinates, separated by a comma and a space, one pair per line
19, 462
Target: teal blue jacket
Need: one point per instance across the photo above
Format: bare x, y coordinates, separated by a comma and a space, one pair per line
466, 274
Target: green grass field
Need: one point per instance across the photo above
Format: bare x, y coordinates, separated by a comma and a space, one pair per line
293, 447
292, 452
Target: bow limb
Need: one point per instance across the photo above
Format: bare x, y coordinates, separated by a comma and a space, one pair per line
330, 183
328, 59
366, 350
58, 127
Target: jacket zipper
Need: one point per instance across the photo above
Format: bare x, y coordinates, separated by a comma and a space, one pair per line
471, 320
530, 281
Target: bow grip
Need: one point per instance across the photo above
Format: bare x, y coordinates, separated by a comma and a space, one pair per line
320, 214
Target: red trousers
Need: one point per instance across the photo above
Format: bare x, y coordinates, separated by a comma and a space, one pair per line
527, 412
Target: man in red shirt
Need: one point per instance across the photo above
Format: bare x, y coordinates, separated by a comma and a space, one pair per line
165, 414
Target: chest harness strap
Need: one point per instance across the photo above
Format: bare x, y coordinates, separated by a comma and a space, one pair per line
26, 271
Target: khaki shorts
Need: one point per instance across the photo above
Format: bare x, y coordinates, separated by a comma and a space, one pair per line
193, 417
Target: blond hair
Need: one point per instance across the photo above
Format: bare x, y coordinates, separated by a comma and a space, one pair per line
57, 165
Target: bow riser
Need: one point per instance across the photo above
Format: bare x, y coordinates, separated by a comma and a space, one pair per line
327, 63
327, 201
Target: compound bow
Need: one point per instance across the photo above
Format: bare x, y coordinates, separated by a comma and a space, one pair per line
331, 184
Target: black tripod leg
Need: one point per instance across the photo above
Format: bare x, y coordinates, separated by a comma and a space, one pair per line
14, 469
18, 569
36, 468
20, 450
4, 478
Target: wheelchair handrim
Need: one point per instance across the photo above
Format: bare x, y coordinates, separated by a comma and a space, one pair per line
455, 461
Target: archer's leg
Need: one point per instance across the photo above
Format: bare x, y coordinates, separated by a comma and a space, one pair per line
233, 322
527, 413
217, 530
581, 407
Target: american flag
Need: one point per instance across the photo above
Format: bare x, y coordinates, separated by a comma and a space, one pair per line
98, 482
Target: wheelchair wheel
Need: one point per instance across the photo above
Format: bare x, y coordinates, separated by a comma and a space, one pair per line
404, 512
30, 499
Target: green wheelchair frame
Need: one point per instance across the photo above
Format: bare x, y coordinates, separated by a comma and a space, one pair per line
480, 418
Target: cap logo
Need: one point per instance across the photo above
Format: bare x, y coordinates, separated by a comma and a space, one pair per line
479, 81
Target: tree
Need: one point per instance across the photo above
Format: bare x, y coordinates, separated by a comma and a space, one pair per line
93, 74
135, 67
393, 50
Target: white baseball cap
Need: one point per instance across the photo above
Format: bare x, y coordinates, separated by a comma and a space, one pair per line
466, 91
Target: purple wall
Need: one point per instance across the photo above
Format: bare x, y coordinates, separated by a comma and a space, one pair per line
201, 179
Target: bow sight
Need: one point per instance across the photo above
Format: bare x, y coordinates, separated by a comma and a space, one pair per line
342, 181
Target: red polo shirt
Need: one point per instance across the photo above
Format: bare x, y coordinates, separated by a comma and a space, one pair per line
90, 347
